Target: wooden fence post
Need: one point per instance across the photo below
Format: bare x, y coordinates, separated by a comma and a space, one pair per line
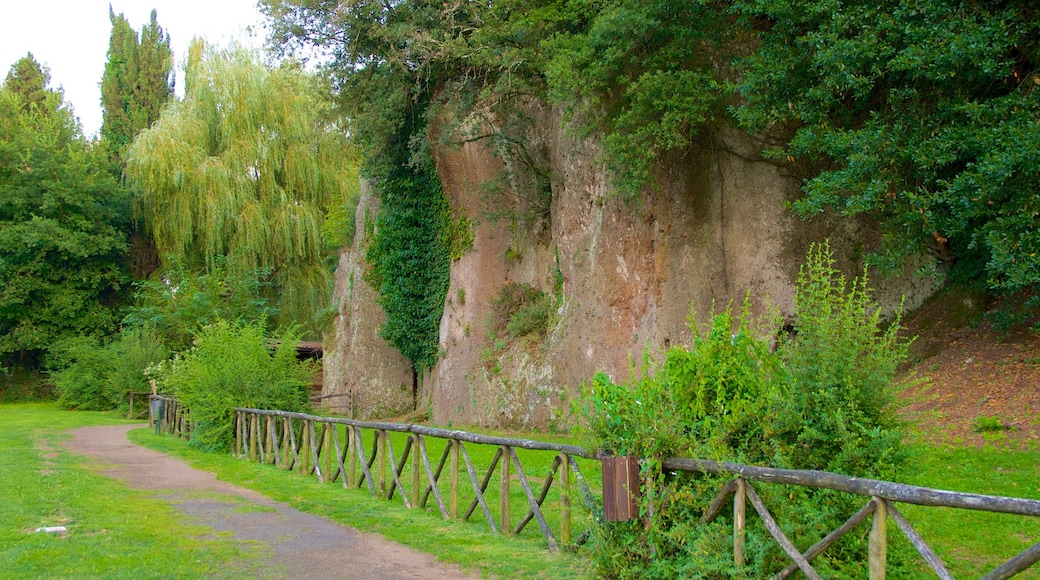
879, 540
565, 499
238, 433
416, 469
269, 439
739, 522
329, 452
381, 459
503, 500
352, 463
453, 501
253, 428
303, 463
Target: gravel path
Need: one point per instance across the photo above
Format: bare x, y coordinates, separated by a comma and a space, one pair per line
303, 545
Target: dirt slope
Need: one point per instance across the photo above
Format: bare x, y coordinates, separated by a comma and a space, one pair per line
969, 383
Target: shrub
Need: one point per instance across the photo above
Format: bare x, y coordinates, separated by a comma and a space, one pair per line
92, 376
520, 310
80, 367
235, 365
820, 400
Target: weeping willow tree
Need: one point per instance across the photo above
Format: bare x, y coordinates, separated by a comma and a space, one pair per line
242, 171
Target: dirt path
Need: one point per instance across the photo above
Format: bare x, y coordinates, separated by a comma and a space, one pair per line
302, 545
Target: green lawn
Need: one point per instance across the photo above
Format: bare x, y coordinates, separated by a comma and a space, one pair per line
469, 544
113, 531
116, 532
972, 543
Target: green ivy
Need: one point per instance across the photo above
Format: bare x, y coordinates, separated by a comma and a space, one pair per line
410, 252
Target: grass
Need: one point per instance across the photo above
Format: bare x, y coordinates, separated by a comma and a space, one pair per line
117, 532
972, 543
113, 531
469, 544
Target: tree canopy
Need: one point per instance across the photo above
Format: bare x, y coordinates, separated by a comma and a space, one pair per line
137, 82
241, 172
62, 220
921, 115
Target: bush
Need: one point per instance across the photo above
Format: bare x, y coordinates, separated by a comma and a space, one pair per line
820, 400
179, 303
520, 310
80, 367
235, 365
92, 376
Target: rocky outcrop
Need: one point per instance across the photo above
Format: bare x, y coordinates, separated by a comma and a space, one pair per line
623, 276
365, 377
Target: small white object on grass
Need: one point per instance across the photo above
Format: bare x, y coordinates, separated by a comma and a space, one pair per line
52, 530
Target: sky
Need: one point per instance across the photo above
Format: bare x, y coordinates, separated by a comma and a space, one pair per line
71, 38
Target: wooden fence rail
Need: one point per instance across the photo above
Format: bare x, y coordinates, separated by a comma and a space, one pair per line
880, 507
333, 450
314, 445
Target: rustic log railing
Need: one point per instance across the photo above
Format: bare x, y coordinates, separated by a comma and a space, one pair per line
883, 495
332, 449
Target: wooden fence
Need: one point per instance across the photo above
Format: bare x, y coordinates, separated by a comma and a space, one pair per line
332, 449
881, 505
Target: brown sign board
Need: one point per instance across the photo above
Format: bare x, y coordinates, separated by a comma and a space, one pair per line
620, 488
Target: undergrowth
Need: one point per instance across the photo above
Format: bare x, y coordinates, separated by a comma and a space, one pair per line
814, 399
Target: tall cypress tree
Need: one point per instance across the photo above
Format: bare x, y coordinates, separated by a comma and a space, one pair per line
137, 82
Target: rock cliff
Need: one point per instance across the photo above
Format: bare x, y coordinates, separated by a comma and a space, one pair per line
620, 277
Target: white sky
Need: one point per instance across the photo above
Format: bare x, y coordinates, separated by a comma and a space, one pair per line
71, 38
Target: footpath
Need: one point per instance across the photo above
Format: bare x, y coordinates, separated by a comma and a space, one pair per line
301, 545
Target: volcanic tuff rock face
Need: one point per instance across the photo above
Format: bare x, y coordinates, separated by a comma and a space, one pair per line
631, 272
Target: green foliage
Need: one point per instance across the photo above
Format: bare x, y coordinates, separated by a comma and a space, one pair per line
235, 365
409, 260
62, 220
820, 400
340, 225
84, 365
179, 303
841, 363
520, 310
137, 82
242, 170
93, 376
921, 115
641, 74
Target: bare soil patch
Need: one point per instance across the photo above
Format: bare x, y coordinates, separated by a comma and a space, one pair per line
970, 384
299, 545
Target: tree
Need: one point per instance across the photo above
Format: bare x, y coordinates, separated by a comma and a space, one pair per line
137, 82
240, 173
921, 115
61, 214
29, 79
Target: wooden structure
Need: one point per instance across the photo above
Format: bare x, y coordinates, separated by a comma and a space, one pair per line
620, 488
880, 507
333, 450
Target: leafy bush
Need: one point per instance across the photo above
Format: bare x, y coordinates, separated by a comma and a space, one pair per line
81, 366
92, 376
819, 400
180, 302
520, 310
235, 364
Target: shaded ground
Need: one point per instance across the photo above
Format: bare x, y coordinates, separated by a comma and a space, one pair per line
295, 544
972, 385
